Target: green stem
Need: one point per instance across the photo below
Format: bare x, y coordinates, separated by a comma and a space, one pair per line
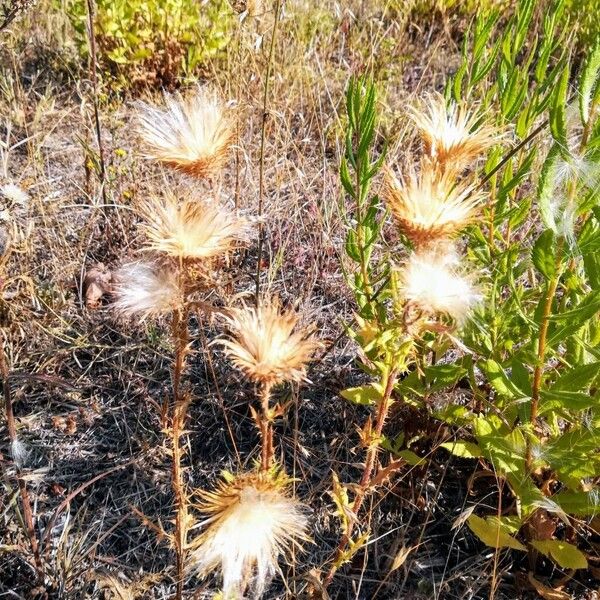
541, 349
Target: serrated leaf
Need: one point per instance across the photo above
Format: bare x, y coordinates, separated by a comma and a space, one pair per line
579, 503
463, 449
569, 322
492, 534
543, 254
578, 378
564, 554
555, 400
558, 109
501, 382
589, 76
364, 395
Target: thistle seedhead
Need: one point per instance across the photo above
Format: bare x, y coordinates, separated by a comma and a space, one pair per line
19, 452
264, 345
431, 283
144, 289
452, 137
192, 229
190, 135
15, 194
251, 523
429, 207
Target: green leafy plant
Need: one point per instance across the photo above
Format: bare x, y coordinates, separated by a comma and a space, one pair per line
534, 342
152, 42
530, 350
407, 306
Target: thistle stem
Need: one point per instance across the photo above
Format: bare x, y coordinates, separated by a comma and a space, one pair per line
266, 428
365, 481
180, 337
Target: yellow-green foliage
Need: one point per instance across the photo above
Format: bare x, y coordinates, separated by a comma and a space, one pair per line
152, 42
464, 7
583, 14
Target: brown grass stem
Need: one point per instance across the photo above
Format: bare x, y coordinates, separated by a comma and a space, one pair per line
261, 168
23, 491
367, 475
94, 79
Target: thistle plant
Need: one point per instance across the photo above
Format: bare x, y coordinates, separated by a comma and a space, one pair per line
268, 349
422, 299
540, 355
533, 340
186, 243
253, 519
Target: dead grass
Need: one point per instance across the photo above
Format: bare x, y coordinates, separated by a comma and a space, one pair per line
88, 391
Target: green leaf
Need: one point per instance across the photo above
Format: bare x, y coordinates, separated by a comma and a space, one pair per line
345, 178
574, 456
554, 400
352, 249
463, 449
493, 534
411, 458
543, 255
436, 378
501, 382
558, 109
589, 76
365, 395
571, 321
577, 379
581, 504
564, 554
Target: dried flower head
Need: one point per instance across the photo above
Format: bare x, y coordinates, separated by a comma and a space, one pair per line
252, 522
192, 229
453, 138
143, 289
14, 194
19, 452
429, 207
265, 346
431, 282
190, 135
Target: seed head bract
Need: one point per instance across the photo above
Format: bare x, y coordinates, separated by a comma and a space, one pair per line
266, 345
251, 522
428, 207
192, 229
453, 137
192, 135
